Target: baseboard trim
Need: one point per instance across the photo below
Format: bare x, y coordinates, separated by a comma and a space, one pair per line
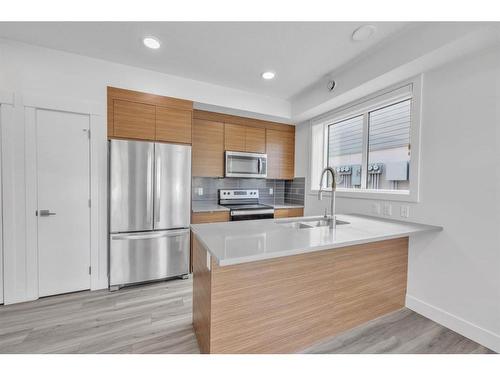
480, 335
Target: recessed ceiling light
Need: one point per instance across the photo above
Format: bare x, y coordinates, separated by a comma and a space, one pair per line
363, 32
151, 42
268, 75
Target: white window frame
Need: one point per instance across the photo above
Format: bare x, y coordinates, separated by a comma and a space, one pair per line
411, 88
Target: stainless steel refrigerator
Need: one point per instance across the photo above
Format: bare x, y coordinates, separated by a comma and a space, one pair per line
150, 195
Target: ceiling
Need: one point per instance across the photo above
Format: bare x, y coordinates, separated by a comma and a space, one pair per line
232, 54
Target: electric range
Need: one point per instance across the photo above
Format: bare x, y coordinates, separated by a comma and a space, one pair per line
244, 204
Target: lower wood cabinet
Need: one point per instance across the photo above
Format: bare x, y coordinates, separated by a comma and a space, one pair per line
202, 218
209, 217
288, 212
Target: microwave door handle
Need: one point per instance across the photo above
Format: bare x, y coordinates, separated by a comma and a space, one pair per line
260, 165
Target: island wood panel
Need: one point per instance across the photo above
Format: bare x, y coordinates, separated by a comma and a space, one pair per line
201, 296
234, 137
288, 212
368, 282
255, 139
133, 120
173, 125
286, 304
208, 149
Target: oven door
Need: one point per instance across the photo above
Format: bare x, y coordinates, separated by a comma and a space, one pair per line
245, 164
239, 215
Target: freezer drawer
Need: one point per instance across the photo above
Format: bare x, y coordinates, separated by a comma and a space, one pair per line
137, 257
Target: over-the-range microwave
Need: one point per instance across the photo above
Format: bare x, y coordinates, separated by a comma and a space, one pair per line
246, 164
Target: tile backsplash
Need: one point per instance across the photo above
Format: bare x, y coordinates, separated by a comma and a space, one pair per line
295, 190
282, 191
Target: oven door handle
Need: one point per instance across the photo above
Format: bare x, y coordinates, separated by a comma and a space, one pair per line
252, 212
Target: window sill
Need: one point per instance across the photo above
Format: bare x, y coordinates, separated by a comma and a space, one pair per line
387, 195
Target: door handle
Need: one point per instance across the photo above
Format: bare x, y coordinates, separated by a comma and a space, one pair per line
156, 209
46, 213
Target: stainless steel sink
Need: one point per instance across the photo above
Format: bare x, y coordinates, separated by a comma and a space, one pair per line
310, 223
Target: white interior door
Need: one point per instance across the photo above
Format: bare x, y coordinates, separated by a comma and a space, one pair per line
1, 214
63, 185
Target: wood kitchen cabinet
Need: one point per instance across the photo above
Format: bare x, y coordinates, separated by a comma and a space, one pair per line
139, 115
244, 138
133, 120
208, 148
234, 137
288, 212
255, 139
280, 148
202, 218
173, 125
209, 217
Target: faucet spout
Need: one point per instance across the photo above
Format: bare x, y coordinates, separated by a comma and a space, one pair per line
333, 173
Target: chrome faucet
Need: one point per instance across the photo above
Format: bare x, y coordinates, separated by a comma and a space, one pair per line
331, 220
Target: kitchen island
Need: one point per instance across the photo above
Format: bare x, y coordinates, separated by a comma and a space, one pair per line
279, 286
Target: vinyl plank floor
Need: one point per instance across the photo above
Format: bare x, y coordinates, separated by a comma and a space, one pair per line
156, 318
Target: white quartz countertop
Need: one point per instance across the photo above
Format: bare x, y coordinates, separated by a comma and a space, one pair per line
202, 206
238, 242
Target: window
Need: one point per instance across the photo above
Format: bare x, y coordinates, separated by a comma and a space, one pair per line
345, 150
389, 147
372, 144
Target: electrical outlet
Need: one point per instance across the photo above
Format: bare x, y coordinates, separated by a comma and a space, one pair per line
200, 191
271, 191
376, 208
405, 211
387, 209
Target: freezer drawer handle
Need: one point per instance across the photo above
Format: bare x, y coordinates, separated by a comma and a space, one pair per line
46, 213
143, 236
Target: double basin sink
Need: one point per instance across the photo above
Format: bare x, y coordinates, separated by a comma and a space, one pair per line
310, 223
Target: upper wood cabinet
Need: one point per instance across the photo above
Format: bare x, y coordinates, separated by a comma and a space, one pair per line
255, 139
138, 115
234, 137
208, 148
280, 148
134, 120
244, 138
173, 125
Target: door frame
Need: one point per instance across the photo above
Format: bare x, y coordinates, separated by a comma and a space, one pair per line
97, 180
6, 103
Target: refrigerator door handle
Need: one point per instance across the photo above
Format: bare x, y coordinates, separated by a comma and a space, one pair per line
149, 187
147, 235
157, 187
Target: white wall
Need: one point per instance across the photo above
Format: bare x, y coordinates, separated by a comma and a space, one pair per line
454, 276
